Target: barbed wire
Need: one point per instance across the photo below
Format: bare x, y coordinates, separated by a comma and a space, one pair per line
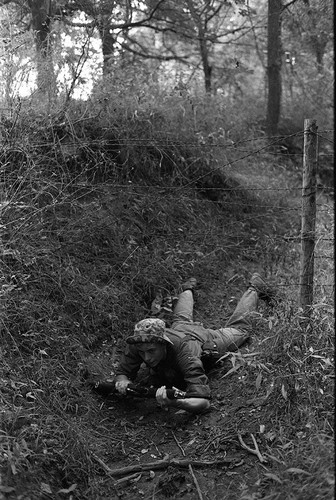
234, 203
271, 209
195, 132
325, 138
170, 140
154, 143
198, 189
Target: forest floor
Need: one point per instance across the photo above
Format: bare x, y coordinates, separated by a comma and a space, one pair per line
79, 271
211, 460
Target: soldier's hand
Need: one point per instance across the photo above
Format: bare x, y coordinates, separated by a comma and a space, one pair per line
161, 397
121, 386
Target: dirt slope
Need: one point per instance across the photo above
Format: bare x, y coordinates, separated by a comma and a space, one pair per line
81, 264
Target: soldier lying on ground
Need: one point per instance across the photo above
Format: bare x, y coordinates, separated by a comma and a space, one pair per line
175, 356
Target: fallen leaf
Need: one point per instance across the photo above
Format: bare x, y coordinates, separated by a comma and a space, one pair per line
294, 470
68, 490
13, 468
258, 381
284, 392
143, 451
273, 476
233, 369
45, 487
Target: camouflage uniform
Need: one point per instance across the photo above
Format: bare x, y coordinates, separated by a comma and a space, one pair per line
188, 344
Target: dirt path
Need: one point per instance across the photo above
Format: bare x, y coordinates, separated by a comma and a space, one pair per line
138, 432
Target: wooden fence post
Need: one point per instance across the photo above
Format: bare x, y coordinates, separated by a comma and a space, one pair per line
308, 215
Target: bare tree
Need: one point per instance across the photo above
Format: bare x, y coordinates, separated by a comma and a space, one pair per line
274, 63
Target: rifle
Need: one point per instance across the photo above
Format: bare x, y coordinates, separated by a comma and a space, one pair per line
107, 388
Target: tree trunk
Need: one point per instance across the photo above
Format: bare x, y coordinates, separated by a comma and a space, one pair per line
320, 47
274, 62
206, 65
201, 31
108, 43
40, 11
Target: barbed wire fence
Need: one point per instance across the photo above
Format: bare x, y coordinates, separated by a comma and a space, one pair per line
320, 241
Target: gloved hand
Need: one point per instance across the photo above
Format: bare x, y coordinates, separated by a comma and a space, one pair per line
121, 386
162, 398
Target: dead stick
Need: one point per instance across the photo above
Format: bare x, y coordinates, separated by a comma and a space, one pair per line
161, 464
191, 471
255, 451
199, 491
126, 479
103, 464
259, 455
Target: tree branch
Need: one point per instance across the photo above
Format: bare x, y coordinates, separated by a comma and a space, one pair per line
288, 5
121, 26
146, 55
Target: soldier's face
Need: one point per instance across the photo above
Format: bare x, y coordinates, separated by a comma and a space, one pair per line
152, 354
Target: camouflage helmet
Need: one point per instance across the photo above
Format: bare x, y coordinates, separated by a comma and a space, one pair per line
149, 330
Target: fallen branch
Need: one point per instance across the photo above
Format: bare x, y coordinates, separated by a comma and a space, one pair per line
127, 478
198, 489
101, 463
255, 451
161, 464
191, 470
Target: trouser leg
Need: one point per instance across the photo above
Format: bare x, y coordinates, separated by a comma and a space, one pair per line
245, 310
238, 327
183, 310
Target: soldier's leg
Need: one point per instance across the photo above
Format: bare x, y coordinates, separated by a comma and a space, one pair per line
238, 328
240, 325
184, 308
245, 310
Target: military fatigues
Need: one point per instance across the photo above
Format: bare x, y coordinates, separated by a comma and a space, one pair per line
189, 342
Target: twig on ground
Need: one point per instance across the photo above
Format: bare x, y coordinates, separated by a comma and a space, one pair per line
255, 451
225, 438
199, 491
127, 478
191, 471
178, 444
161, 464
101, 463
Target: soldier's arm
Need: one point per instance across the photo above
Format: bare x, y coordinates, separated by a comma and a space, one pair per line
192, 405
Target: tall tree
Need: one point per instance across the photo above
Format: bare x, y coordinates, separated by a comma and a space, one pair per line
200, 26
40, 22
311, 22
274, 63
112, 19
36, 15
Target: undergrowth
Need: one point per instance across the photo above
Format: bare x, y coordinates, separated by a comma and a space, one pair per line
97, 214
